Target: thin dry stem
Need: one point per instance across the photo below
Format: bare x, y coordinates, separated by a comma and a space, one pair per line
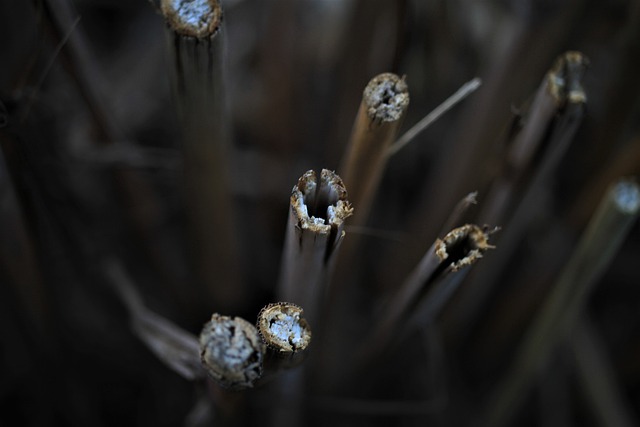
597, 247
515, 196
460, 248
467, 89
384, 102
175, 347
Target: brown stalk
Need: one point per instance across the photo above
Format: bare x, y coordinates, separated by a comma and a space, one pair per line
560, 90
428, 288
557, 317
232, 352
315, 230
384, 103
175, 347
196, 42
561, 101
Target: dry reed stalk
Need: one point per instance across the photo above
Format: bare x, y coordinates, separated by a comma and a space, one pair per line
283, 328
428, 288
315, 230
556, 319
560, 89
384, 103
196, 43
598, 378
464, 91
175, 347
470, 160
232, 352
561, 92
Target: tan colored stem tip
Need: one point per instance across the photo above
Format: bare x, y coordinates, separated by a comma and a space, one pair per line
320, 207
386, 97
463, 246
231, 351
283, 328
565, 77
193, 18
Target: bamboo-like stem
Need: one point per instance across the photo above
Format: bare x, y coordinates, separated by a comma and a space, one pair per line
598, 378
196, 42
559, 123
315, 230
559, 91
384, 102
599, 244
175, 347
287, 335
232, 352
425, 289
464, 91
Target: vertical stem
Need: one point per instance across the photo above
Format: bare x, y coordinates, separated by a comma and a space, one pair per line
196, 39
384, 102
599, 244
314, 233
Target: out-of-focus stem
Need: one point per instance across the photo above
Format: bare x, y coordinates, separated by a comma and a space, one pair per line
598, 378
315, 229
561, 92
434, 115
196, 42
384, 102
175, 347
599, 244
232, 352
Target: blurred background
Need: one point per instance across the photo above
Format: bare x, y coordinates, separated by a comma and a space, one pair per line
91, 169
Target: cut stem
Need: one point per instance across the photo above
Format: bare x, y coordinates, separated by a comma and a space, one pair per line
384, 103
283, 328
597, 247
196, 42
232, 352
425, 291
314, 233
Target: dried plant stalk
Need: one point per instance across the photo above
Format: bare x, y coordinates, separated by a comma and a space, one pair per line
314, 233
599, 244
434, 115
384, 102
175, 347
461, 247
196, 41
232, 351
283, 328
555, 117
560, 92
